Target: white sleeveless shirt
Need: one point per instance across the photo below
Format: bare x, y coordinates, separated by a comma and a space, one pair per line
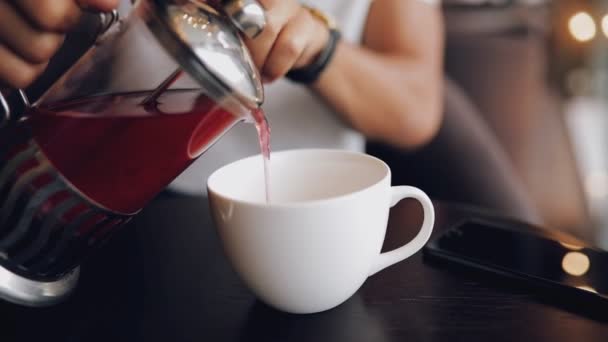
298, 118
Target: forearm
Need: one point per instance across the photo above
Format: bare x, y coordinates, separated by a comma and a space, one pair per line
391, 98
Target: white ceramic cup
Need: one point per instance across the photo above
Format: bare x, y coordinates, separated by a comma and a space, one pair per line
320, 237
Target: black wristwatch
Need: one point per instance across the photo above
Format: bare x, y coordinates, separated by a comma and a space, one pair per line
311, 72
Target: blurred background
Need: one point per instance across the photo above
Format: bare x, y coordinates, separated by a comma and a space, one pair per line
526, 114
558, 53
580, 68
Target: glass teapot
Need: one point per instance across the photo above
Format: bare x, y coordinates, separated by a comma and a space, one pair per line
156, 90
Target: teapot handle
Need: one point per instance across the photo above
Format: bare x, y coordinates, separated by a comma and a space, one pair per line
106, 21
5, 110
14, 102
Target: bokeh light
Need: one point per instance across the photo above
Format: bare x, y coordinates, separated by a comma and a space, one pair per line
576, 263
582, 27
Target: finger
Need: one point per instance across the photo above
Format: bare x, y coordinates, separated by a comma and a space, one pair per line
288, 47
56, 15
26, 41
15, 72
98, 5
278, 12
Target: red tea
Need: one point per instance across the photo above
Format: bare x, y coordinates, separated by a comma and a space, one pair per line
73, 172
120, 153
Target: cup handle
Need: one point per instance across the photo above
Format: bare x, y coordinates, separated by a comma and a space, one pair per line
389, 258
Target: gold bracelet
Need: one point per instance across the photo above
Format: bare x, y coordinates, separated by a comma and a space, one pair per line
322, 16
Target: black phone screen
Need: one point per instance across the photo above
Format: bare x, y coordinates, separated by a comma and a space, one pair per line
526, 255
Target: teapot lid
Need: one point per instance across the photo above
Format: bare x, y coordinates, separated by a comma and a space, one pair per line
208, 47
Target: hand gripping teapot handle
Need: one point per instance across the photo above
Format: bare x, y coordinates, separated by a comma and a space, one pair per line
14, 102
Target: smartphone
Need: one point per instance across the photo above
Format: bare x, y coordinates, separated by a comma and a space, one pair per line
573, 271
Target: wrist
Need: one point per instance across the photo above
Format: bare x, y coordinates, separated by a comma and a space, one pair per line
324, 50
326, 24
317, 47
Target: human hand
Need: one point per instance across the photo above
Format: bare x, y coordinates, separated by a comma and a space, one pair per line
31, 31
292, 38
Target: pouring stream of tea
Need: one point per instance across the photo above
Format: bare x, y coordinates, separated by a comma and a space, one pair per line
263, 129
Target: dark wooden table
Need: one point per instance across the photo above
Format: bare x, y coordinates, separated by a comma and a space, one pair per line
164, 278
